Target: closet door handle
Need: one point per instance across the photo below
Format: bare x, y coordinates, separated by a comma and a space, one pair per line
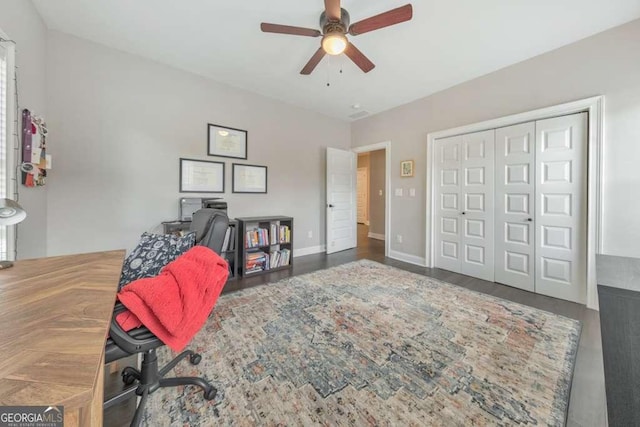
464, 213
529, 220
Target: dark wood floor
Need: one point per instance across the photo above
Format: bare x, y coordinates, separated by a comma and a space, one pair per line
587, 406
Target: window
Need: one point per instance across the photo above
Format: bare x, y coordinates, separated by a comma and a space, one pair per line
7, 131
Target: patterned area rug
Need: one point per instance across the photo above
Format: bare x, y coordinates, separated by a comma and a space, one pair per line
368, 344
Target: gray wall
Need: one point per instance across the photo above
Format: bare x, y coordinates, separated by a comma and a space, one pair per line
121, 123
376, 184
605, 64
22, 23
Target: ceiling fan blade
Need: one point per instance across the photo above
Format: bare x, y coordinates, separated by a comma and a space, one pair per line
358, 58
313, 62
287, 29
332, 8
391, 17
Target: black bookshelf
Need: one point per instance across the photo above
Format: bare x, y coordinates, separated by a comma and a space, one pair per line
265, 244
230, 251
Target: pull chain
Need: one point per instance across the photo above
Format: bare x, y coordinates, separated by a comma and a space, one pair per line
329, 66
328, 71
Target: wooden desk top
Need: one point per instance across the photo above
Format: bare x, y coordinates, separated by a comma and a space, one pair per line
54, 317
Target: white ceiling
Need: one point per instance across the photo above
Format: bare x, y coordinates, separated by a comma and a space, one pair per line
446, 43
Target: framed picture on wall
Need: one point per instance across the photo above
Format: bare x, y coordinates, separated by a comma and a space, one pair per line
249, 179
201, 176
406, 168
226, 142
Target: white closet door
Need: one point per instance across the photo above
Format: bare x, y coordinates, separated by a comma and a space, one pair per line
477, 215
515, 195
561, 201
447, 203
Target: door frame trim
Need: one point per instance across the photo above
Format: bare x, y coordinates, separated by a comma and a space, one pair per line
595, 107
386, 146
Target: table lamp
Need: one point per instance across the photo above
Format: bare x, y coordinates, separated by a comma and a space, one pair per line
11, 213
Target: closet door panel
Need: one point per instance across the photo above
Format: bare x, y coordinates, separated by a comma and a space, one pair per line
448, 202
561, 207
477, 211
514, 206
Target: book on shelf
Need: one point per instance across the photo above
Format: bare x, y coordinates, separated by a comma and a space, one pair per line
229, 242
232, 239
260, 237
284, 234
256, 261
279, 234
279, 258
256, 238
225, 242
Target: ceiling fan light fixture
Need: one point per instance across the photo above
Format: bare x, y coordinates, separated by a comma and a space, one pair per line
334, 43
335, 24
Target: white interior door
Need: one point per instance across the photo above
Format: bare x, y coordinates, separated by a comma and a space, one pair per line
341, 200
515, 196
363, 196
476, 196
447, 203
561, 207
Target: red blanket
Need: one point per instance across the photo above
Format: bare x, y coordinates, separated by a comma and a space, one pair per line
175, 304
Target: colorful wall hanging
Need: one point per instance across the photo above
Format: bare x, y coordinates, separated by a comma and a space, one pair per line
35, 160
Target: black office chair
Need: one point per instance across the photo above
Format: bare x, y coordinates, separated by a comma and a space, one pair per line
210, 226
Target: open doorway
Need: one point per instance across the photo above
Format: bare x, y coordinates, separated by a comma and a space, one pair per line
371, 200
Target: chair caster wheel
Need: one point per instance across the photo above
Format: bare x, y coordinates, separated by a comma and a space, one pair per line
210, 394
195, 358
128, 379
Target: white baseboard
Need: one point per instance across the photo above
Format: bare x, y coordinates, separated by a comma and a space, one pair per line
309, 251
411, 259
376, 236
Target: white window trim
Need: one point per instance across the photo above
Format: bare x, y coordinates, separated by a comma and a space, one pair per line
12, 139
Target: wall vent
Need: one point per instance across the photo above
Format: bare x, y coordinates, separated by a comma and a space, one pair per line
359, 114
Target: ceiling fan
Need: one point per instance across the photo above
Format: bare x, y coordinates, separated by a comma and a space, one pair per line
334, 22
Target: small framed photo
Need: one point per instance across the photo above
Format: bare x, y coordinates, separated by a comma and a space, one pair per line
226, 142
249, 179
201, 176
406, 168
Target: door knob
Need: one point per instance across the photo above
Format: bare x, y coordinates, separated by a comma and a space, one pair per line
330, 206
464, 213
529, 219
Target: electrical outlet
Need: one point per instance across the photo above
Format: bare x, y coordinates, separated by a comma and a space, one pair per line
399, 238
380, 193
412, 192
310, 234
